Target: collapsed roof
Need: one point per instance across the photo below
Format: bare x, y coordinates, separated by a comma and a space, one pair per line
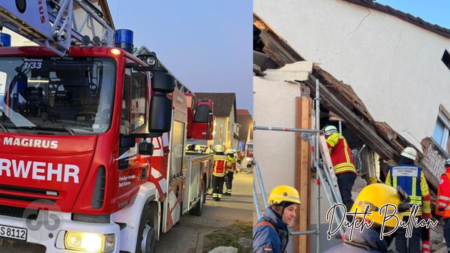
272, 51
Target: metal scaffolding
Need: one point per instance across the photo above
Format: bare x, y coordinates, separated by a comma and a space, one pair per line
323, 177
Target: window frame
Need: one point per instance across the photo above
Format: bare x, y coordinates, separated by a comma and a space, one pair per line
130, 98
443, 117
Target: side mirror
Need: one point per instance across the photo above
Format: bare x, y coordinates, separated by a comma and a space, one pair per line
160, 113
163, 82
145, 148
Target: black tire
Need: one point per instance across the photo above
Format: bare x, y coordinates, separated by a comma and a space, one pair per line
198, 209
205, 190
146, 231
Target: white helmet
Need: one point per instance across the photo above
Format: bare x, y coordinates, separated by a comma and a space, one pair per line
218, 148
410, 153
329, 130
447, 163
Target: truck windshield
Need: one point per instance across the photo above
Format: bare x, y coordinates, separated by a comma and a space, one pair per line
56, 95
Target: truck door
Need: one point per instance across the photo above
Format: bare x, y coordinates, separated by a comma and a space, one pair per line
133, 170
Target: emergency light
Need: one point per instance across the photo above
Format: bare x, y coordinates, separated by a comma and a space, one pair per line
5, 40
124, 40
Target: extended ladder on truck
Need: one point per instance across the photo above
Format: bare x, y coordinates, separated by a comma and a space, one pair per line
52, 23
325, 172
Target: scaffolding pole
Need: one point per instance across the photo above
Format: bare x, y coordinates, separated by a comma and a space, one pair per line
316, 161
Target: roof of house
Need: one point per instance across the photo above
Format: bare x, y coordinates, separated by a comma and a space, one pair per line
403, 15
242, 112
223, 102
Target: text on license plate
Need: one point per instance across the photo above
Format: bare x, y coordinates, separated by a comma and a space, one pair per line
12, 232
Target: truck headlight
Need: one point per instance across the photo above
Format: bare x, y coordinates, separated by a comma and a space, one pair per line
89, 242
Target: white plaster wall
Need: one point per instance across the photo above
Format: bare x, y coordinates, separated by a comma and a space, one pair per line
395, 67
274, 105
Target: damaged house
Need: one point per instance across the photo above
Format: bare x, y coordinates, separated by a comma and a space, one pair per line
383, 76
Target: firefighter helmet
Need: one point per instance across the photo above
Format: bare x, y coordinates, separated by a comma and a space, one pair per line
410, 153
284, 193
330, 130
375, 196
447, 163
218, 148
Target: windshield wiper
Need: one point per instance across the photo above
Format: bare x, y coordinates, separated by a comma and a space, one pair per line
58, 129
3, 128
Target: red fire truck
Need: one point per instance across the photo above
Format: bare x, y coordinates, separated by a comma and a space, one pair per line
92, 142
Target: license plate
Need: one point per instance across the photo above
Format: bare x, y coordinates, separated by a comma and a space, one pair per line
13, 232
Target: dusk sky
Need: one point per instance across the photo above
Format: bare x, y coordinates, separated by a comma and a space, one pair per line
206, 44
432, 11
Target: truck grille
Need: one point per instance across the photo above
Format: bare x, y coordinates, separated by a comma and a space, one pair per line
28, 194
18, 212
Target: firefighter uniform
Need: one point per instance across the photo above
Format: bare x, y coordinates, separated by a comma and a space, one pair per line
443, 203
231, 168
412, 180
220, 163
342, 160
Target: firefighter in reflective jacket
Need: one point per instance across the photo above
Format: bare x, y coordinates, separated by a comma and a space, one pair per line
443, 202
220, 163
231, 168
412, 180
270, 233
342, 160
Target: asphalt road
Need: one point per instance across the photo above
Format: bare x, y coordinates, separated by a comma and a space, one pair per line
187, 235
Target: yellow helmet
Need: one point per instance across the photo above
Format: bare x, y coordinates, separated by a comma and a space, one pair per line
284, 193
377, 195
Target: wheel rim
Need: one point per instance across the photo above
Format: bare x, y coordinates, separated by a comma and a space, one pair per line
148, 239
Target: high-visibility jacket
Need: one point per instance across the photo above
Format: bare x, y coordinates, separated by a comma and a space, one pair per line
412, 180
220, 165
231, 164
443, 198
340, 153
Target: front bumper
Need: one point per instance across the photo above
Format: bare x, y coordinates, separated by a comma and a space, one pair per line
50, 231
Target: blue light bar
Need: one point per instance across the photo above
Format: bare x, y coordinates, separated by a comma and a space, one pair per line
5, 39
124, 39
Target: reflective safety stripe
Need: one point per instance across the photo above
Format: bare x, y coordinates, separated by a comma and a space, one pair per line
394, 183
346, 150
444, 198
264, 223
414, 183
442, 204
344, 167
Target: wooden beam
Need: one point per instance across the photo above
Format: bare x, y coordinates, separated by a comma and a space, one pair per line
363, 130
303, 174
